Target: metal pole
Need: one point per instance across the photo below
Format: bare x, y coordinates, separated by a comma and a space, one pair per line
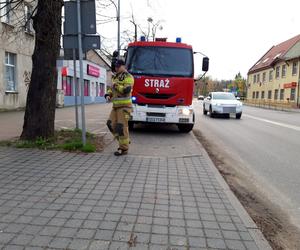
76, 88
118, 18
81, 72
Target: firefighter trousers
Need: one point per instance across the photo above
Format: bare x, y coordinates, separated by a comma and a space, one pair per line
118, 126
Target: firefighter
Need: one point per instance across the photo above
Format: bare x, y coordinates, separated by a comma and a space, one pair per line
120, 96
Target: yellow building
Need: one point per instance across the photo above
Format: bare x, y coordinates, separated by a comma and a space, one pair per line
275, 78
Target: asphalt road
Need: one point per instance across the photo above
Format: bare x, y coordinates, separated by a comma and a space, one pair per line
266, 144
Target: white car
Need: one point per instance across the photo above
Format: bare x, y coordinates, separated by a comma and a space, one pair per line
222, 103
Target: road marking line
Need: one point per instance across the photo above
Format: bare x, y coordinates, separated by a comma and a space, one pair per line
275, 123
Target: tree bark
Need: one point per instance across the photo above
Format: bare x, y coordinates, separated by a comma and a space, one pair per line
41, 98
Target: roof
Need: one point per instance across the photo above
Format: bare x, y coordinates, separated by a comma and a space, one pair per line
275, 54
160, 44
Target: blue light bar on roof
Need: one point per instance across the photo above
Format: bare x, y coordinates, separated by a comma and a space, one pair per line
178, 40
143, 39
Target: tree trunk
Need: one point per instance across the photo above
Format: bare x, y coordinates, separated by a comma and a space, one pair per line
41, 98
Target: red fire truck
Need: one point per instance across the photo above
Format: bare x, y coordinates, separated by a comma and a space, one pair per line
164, 82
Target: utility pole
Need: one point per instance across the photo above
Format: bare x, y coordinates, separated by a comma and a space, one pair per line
76, 88
119, 24
81, 73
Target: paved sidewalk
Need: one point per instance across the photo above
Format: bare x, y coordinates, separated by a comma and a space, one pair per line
55, 200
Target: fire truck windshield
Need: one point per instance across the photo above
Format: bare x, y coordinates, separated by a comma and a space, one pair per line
160, 61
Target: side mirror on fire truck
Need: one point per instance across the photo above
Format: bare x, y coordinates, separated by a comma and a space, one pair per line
205, 64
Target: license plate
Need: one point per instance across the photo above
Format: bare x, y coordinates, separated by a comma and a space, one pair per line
155, 119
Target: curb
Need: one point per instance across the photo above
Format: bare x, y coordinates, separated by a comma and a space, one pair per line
254, 231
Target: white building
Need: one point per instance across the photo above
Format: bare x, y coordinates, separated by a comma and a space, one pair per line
16, 48
95, 80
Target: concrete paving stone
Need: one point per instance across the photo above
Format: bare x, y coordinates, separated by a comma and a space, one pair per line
13, 228
231, 235
122, 236
194, 224
197, 242
12, 247
108, 225
6, 237
177, 230
235, 244
145, 220
90, 224
227, 226
124, 226
177, 222
177, 240
67, 232
80, 215
250, 245
119, 245
216, 243
41, 241
96, 216
49, 231
99, 245
159, 239
211, 225
61, 243
75, 223
159, 229
213, 233
78, 244
106, 235
57, 222
85, 233
22, 239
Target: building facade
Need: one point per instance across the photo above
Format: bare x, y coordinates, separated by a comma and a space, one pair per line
275, 78
16, 48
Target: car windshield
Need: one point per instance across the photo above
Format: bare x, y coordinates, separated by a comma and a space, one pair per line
160, 61
223, 96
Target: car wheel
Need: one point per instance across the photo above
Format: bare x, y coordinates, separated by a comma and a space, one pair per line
238, 116
204, 110
211, 113
185, 128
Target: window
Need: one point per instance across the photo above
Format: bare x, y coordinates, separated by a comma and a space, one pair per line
5, 11
257, 94
160, 61
258, 78
270, 94
263, 95
253, 95
295, 68
254, 79
282, 94
277, 72
28, 20
264, 77
283, 71
276, 94
10, 72
270, 75
293, 94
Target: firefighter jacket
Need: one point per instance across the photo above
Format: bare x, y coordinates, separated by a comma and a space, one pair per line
120, 92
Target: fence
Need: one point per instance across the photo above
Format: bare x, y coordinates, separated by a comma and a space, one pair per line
277, 105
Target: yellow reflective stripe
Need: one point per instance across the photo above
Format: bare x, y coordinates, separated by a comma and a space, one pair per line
118, 102
123, 141
120, 88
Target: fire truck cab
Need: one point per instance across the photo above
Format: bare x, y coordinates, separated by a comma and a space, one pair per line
164, 82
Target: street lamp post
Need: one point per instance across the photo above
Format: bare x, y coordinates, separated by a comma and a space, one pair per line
118, 11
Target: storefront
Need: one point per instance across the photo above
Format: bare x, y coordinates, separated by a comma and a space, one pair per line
94, 83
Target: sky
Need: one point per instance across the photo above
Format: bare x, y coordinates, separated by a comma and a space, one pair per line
234, 34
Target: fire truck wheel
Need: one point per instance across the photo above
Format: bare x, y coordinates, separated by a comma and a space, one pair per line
131, 125
185, 128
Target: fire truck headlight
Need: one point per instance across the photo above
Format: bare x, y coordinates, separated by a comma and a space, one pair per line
186, 111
